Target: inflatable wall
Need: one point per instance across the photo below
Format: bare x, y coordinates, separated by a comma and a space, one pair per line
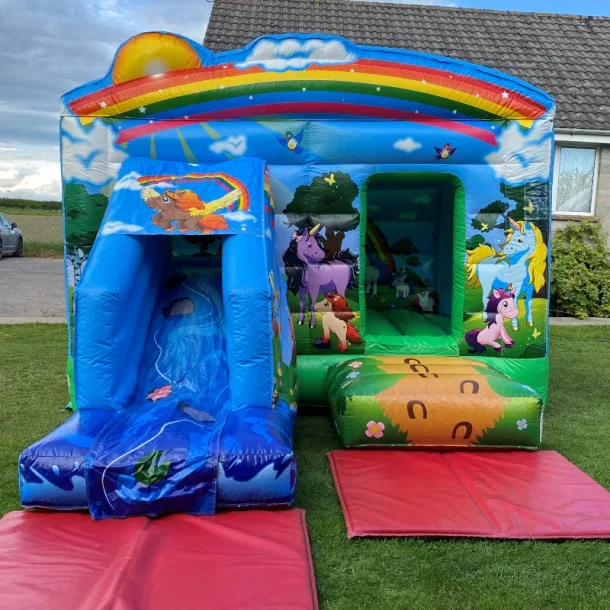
411, 228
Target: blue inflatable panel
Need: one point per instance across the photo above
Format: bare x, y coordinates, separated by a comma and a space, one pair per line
184, 358
256, 464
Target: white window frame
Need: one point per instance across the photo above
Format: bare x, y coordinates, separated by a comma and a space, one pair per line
571, 143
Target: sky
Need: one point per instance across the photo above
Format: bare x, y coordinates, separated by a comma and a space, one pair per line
48, 47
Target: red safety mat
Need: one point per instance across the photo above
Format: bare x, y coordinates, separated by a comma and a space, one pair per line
512, 494
243, 559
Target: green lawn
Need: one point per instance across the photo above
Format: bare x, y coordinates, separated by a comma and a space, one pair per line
42, 231
384, 574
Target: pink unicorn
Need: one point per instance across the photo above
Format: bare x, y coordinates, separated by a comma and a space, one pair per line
501, 305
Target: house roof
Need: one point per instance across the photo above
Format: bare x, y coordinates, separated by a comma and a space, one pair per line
566, 55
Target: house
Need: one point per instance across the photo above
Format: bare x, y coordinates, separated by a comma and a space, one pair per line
565, 55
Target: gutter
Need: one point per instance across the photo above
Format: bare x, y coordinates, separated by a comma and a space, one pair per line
582, 136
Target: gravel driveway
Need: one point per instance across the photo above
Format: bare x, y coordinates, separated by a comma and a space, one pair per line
31, 290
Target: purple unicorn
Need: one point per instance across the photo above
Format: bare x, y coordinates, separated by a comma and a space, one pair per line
501, 305
310, 271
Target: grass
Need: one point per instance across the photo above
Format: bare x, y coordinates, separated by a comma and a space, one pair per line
42, 232
43, 249
39, 228
10, 211
393, 573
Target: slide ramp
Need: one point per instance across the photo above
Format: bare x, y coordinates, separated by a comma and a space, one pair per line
160, 453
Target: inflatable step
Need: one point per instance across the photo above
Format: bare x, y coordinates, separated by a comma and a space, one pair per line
431, 401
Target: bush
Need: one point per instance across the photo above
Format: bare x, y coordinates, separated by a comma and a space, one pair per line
580, 272
28, 204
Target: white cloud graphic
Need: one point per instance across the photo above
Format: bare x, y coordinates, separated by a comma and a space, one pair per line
523, 156
116, 226
236, 145
407, 145
89, 154
295, 54
239, 216
128, 182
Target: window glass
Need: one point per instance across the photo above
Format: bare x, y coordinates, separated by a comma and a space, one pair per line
3, 222
575, 180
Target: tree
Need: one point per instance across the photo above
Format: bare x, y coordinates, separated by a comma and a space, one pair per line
531, 200
84, 215
530, 204
404, 246
475, 241
488, 217
327, 201
412, 261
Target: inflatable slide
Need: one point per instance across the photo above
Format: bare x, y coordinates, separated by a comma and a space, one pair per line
184, 353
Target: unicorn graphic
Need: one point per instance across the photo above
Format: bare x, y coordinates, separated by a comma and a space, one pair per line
311, 272
521, 263
501, 306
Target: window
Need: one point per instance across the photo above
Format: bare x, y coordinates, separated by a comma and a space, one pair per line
3, 221
575, 180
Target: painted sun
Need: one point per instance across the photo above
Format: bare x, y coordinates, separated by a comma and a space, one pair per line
153, 53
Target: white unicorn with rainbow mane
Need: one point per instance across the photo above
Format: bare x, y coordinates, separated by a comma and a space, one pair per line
520, 262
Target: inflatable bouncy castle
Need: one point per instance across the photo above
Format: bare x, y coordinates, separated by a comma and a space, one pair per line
375, 220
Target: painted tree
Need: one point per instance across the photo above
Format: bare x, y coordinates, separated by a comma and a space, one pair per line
85, 213
529, 200
474, 242
412, 261
492, 216
405, 254
404, 246
328, 201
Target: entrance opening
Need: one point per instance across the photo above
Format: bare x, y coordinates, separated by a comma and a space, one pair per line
409, 248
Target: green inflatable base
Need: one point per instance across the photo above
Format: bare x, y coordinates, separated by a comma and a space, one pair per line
312, 370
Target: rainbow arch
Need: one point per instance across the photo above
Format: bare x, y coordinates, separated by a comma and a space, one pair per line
226, 182
374, 83
380, 244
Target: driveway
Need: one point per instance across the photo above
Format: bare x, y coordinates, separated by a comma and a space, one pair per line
32, 290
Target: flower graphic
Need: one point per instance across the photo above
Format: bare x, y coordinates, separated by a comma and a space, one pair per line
162, 392
375, 429
353, 375
522, 424
356, 364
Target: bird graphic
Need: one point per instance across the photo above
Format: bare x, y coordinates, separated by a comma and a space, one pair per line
530, 207
445, 152
292, 141
331, 179
536, 333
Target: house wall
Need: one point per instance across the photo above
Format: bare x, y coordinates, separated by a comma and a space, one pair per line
602, 203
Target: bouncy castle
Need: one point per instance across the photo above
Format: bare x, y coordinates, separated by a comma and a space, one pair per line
303, 221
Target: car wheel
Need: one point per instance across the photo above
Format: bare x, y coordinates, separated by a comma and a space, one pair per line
1, 249
19, 250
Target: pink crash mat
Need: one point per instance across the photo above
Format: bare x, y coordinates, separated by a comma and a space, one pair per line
500, 494
244, 559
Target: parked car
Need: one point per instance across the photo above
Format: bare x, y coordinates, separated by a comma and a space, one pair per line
11, 240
